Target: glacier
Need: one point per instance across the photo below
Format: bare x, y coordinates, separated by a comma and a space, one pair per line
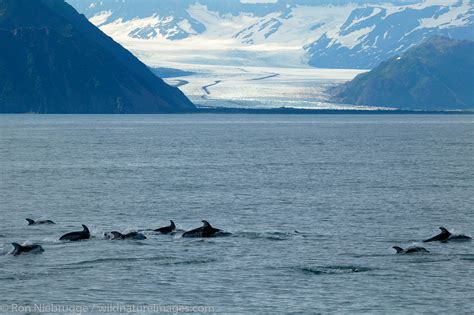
324, 34
290, 44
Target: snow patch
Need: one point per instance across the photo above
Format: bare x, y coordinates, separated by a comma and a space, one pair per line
375, 11
217, 25
353, 38
100, 18
186, 26
456, 16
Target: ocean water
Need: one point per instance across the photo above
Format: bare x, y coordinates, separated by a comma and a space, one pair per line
314, 202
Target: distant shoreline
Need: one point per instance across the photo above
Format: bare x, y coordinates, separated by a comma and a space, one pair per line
305, 111
276, 111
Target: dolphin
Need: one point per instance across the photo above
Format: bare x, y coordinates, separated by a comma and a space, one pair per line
411, 250
26, 249
129, 236
33, 222
205, 231
167, 229
442, 237
77, 236
459, 238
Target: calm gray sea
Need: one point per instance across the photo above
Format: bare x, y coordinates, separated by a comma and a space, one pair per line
315, 204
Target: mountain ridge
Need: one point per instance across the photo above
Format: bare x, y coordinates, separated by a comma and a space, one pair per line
328, 34
58, 62
436, 75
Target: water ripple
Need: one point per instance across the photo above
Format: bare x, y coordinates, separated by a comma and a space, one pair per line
333, 270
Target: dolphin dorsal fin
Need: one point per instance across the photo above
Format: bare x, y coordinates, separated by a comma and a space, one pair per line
17, 246
172, 224
30, 222
86, 229
206, 224
444, 230
398, 249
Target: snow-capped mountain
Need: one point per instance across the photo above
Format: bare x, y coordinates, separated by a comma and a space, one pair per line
327, 34
372, 34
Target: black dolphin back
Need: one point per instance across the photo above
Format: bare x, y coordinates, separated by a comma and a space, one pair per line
398, 249
443, 236
76, 236
167, 229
